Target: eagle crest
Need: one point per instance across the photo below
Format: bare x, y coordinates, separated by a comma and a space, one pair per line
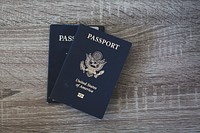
93, 64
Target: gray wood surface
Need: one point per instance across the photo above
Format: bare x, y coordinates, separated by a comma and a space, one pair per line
158, 89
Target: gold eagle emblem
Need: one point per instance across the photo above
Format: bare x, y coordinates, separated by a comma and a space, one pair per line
93, 64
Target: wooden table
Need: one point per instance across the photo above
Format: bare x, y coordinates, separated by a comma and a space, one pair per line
158, 89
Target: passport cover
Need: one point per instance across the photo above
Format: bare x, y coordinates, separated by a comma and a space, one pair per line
60, 40
90, 71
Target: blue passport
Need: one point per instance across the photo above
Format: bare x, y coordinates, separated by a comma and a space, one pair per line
90, 71
60, 40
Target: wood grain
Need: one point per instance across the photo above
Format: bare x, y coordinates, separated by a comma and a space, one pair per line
158, 89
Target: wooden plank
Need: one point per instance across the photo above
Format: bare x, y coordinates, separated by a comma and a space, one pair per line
158, 89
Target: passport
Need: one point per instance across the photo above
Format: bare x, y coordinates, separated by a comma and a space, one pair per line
60, 40
90, 71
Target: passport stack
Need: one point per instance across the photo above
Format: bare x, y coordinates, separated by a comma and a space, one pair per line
88, 72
